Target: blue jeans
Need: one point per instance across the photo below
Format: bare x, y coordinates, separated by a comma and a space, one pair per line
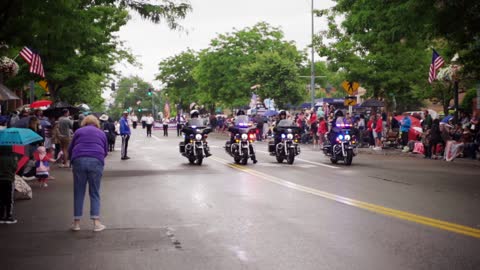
87, 170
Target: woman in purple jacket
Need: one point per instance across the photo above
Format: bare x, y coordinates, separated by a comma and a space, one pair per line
87, 152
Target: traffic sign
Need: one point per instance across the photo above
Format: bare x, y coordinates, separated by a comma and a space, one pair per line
350, 101
350, 87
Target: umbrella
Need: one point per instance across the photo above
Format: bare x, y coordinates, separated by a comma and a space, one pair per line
20, 136
415, 127
270, 113
372, 103
447, 118
6, 94
84, 107
40, 103
56, 109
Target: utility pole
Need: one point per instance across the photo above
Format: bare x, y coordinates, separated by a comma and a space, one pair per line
312, 75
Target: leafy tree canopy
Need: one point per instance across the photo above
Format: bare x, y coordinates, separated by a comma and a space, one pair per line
76, 39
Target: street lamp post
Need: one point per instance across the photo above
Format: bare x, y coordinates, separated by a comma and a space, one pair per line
312, 74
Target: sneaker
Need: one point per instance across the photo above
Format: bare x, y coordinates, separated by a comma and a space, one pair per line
75, 227
125, 158
45, 185
10, 220
2, 220
99, 227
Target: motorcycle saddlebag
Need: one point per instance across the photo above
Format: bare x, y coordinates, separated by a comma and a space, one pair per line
271, 147
182, 147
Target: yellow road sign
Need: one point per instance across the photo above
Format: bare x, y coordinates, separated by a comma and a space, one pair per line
44, 85
350, 101
350, 87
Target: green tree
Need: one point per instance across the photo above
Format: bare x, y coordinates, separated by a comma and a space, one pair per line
125, 99
76, 39
328, 78
176, 73
278, 75
377, 49
218, 73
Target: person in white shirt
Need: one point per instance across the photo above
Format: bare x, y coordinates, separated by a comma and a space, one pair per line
149, 123
165, 126
134, 121
143, 120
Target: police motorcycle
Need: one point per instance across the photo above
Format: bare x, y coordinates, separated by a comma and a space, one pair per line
285, 145
342, 143
195, 147
243, 135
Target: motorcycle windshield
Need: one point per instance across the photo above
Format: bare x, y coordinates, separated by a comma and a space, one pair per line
241, 121
196, 123
286, 123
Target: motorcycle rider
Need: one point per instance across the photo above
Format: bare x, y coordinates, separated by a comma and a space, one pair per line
188, 129
282, 115
235, 129
336, 128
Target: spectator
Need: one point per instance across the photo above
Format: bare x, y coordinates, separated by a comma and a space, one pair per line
436, 138
165, 126
8, 166
370, 127
65, 133
322, 130
125, 134
405, 125
88, 151
377, 132
427, 121
427, 146
149, 123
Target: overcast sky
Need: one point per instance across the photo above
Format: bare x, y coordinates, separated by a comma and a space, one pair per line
152, 43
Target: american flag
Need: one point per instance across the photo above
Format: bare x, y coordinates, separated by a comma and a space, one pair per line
437, 62
33, 60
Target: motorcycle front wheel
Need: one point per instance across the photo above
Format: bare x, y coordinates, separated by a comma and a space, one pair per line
349, 157
291, 157
191, 160
279, 159
237, 160
334, 161
200, 161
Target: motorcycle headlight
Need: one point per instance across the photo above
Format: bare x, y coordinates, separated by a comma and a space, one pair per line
290, 136
198, 137
283, 136
244, 136
340, 137
347, 137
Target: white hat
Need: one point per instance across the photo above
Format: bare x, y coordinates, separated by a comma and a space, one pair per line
104, 117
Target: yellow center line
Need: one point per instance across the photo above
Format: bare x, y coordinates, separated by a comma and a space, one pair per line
436, 223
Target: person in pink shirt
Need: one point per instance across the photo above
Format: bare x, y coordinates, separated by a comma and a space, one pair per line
322, 130
378, 132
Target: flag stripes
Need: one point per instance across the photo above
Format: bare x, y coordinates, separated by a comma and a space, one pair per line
437, 63
33, 60
26, 54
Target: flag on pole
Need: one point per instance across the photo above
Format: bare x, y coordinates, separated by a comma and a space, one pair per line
33, 60
166, 110
437, 62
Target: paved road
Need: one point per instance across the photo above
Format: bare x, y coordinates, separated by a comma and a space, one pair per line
383, 212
